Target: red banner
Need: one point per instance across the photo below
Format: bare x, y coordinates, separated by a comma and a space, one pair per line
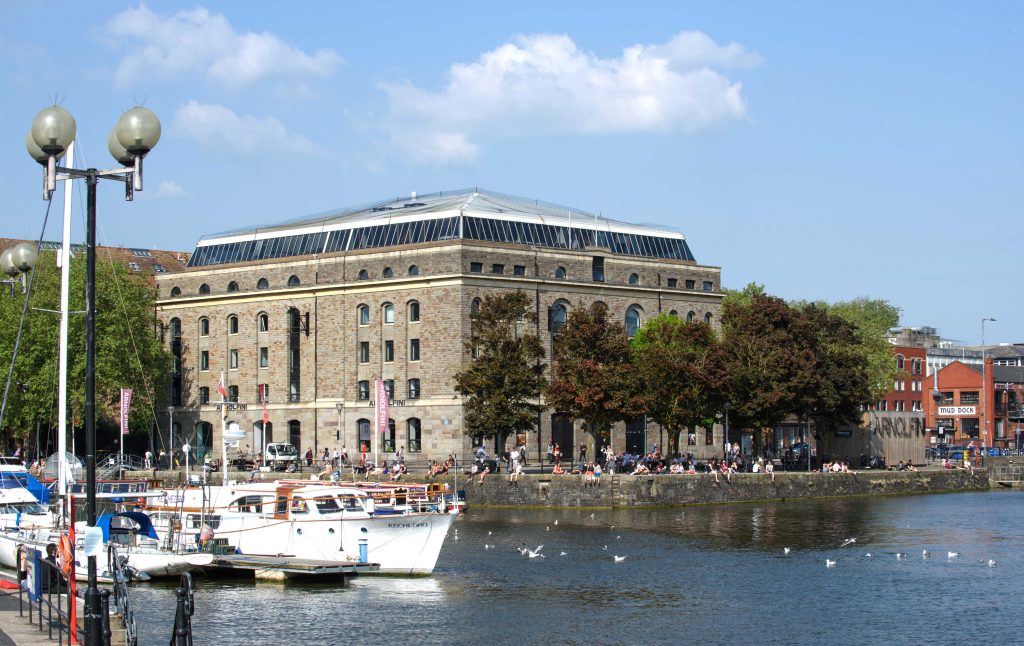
126, 404
382, 407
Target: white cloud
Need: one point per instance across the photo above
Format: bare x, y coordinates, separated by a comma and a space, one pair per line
198, 41
219, 127
545, 85
168, 189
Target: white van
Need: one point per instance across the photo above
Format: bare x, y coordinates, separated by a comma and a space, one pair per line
280, 455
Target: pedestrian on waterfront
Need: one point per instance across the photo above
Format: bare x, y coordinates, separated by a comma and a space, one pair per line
309, 457
335, 458
583, 452
400, 456
326, 457
149, 460
551, 453
522, 453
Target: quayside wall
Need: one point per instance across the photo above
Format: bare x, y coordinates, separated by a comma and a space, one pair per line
666, 490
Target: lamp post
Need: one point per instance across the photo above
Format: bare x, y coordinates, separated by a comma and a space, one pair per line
725, 431
984, 386
170, 438
136, 133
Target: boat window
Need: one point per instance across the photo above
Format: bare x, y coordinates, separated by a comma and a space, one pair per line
282, 506
299, 506
196, 521
327, 505
248, 504
352, 502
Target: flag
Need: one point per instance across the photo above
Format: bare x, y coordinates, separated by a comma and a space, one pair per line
126, 403
263, 400
382, 407
223, 390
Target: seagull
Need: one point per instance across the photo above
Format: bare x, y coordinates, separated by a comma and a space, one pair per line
556, 521
869, 555
562, 554
618, 538
991, 562
534, 555
900, 556
849, 541
952, 555
619, 559
547, 529
591, 515
786, 550
925, 554
489, 533
605, 548
487, 547
830, 563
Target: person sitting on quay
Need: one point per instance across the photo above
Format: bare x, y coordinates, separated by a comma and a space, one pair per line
483, 474
641, 469
515, 472
557, 469
398, 471
769, 468
946, 464
588, 474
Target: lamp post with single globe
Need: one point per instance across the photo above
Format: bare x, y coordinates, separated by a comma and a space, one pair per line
984, 386
136, 133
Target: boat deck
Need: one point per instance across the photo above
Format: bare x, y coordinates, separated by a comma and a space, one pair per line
284, 567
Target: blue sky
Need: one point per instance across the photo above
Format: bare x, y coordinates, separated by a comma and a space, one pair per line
826, 151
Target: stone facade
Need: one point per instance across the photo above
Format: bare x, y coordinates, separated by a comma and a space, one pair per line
327, 292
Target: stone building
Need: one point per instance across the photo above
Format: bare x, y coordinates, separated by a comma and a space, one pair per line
315, 311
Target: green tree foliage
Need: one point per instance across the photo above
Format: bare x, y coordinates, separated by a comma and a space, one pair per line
594, 377
767, 363
129, 352
873, 318
504, 382
682, 371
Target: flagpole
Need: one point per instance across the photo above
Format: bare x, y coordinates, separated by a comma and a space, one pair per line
223, 431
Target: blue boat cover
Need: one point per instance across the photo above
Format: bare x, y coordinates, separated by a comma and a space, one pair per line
145, 524
25, 480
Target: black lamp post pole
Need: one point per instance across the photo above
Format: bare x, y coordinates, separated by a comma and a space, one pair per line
93, 619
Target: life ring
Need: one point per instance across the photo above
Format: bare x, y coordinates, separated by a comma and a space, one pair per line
66, 553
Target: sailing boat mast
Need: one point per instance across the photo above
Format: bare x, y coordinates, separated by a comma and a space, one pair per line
64, 260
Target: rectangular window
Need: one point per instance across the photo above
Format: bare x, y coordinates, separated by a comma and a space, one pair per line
709, 437
476, 267
414, 389
673, 282
691, 284
708, 285
969, 397
233, 394
389, 386
262, 393
389, 437
899, 405
415, 439
969, 426
233, 360
917, 406
389, 351
916, 367
204, 395
264, 322
414, 349
519, 270
497, 268
947, 398
598, 269
364, 390
364, 352
204, 327
204, 360
264, 357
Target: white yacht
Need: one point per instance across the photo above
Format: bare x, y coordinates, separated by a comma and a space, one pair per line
309, 520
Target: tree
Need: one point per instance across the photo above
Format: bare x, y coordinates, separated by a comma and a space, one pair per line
504, 382
766, 363
129, 352
682, 372
872, 319
594, 378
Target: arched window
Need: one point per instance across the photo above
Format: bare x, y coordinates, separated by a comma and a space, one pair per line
689, 316
632, 321
233, 286
294, 357
413, 433
389, 437
293, 281
204, 289
474, 308
389, 313
364, 314
262, 283
175, 291
899, 362
707, 318
263, 322
388, 272
414, 270
414, 312
634, 279
364, 275
232, 324
560, 272
674, 313
204, 327
558, 317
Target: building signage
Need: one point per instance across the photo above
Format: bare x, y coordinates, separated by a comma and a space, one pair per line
958, 411
382, 407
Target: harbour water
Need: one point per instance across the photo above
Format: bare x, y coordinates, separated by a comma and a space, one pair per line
714, 574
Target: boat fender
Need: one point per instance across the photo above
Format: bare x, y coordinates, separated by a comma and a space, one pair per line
371, 506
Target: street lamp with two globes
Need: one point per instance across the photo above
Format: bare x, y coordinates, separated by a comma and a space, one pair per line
136, 133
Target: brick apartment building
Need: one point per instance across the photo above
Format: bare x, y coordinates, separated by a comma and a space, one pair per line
144, 262
317, 310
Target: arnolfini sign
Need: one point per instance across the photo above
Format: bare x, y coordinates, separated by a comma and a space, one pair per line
958, 411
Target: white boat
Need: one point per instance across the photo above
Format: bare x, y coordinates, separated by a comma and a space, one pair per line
309, 520
20, 497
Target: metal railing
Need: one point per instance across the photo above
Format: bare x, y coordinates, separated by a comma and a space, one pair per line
50, 601
118, 567
182, 634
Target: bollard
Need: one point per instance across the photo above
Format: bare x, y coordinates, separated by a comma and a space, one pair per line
105, 620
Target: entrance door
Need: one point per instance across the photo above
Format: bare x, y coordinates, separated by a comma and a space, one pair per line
562, 435
636, 436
